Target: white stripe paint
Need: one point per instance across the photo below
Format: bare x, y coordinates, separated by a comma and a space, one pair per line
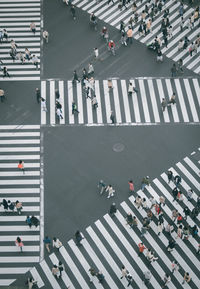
191, 100
79, 103
107, 100
52, 103
98, 96
181, 100
135, 104
153, 100
116, 101
173, 106
144, 100
126, 101
70, 99
49, 275
161, 95
21, 259
43, 95
36, 276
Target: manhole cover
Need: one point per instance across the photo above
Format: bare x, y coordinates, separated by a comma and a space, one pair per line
118, 147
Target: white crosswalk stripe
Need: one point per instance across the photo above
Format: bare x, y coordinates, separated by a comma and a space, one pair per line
19, 142
141, 107
16, 17
110, 242
112, 15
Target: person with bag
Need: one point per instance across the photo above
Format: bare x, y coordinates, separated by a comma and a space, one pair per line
61, 268
57, 243
19, 243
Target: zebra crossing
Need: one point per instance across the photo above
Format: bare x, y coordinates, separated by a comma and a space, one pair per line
110, 243
16, 17
19, 142
112, 15
143, 107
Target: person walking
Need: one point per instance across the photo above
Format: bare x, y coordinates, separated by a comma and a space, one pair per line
171, 245
73, 12
74, 107
129, 278
55, 271
177, 180
43, 104
75, 77
5, 205
141, 248
131, 89
46, 36
100, 277
19, 243
92, 274
145, 182
186, 278
34, 221
175, 266
11, 206
47, 243
110, 191
2, 95
90, 69
28, 221
21, 166
38, 95
186, 211
31, 282
57, 243
131, 187
112, 117
173, 70
166, 280
102, 186
124, 272
147, 277
163, 104
96, 53
5, 72
113, 209
170, 176
94, 102
61, 268
19, 207
129, 35
189, 194
33, 27
35, 61
78, 238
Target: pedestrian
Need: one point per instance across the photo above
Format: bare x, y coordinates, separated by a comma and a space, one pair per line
141, 248
129, 219
21, 166
186, 278
19, 207
100, 277
186, 232
175, 266
138, 201
59, 113
131, 187
173, 70
102, 186
11, 206
46, 36
160, 228
129, 35
198, 249
171, 245
152, 201
5, 34
177, 180
129, 278
170, 176
150, 256
123, 38
73, 12
57, 243
27, 54
5, 204
168, 229
61, 268
5, 72
194, 213
96, 53
74, 107
75, 77
147, 277
112, 117
33, 27
180, 65
145, 182
28, 221
110, 191
162, 201
174, 215
47, 242
144, 203
159, 55
194, 231
35, 61
78, 238
34, 221
94, 102
186, 211
92, 274
124, 272
179, 219
19, 243
189, 194
166, 280
21, 57
43, 104
163, 104
90, 69
113, 209
175, 193
55, 271
179, 232
38, 95
2, 95
31, 283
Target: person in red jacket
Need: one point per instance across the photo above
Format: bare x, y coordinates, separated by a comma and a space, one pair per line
141, 248
131, 187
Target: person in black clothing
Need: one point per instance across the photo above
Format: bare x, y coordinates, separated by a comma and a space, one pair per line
38, 95
5, 204
186, 212
11, 206
75, 77
5, 72
170, 176
112, 117
57, 94
129, 279
177, 180
34, 221
113, 209
78, 238
175, 193
73, 12
171, 245
100, 276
